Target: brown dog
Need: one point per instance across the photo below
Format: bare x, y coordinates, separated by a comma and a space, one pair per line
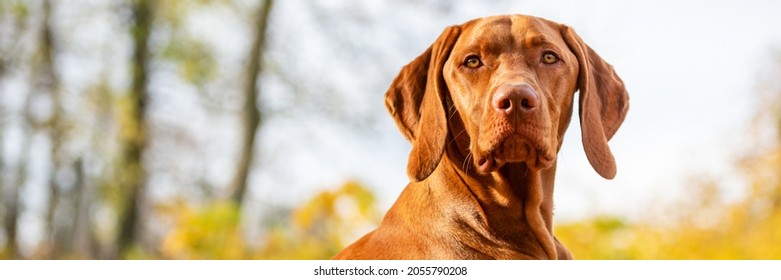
485, 108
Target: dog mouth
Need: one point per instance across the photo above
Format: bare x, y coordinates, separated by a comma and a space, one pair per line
514, 147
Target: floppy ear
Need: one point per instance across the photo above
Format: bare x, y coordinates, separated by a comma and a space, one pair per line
603, 103
415, 100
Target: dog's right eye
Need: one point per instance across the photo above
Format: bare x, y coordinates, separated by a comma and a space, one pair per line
473, 61
549, 57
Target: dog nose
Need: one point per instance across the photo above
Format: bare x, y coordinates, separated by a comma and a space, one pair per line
509, 99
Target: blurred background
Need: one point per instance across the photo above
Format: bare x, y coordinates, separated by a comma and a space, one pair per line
239, 129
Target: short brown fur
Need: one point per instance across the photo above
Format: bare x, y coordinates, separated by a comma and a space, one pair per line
485, 139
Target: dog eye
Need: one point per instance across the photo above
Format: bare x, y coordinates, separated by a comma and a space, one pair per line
549, 58
473, 62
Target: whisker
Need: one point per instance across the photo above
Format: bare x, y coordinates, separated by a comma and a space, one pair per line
453, 110
454, 137
465, 165
469, 163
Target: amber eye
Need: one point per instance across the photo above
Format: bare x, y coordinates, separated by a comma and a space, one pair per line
473, 62
549, 58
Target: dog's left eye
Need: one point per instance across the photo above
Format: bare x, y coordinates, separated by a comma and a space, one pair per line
549, 58
473, 62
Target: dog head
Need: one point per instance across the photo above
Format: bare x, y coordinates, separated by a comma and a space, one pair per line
510, 81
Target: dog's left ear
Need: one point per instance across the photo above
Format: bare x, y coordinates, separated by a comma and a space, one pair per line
415, 100
603, 103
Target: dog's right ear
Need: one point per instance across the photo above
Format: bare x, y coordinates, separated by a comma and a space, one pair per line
415, 100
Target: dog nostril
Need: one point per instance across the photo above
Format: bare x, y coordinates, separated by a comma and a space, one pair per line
504, 104
526, 104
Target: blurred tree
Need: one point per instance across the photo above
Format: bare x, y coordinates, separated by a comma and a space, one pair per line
13, 25
134, 131
54, 126
250, 113
2, 179
12, 209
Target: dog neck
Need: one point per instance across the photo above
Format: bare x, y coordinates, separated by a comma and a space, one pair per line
513, 201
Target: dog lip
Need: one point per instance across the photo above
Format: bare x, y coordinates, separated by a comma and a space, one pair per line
505, 148
485, 164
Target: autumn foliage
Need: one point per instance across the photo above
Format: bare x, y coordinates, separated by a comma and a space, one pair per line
317, 229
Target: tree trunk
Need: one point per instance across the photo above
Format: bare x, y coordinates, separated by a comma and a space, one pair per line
78, 241
134, 130
10, 221
3, 209
48, 81
12, 202
251, 115
13, 175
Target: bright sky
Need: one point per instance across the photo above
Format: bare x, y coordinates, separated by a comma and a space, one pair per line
690, 68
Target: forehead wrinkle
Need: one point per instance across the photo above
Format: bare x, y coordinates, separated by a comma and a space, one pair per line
493, 36
513, 37
537, 33
535, 40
